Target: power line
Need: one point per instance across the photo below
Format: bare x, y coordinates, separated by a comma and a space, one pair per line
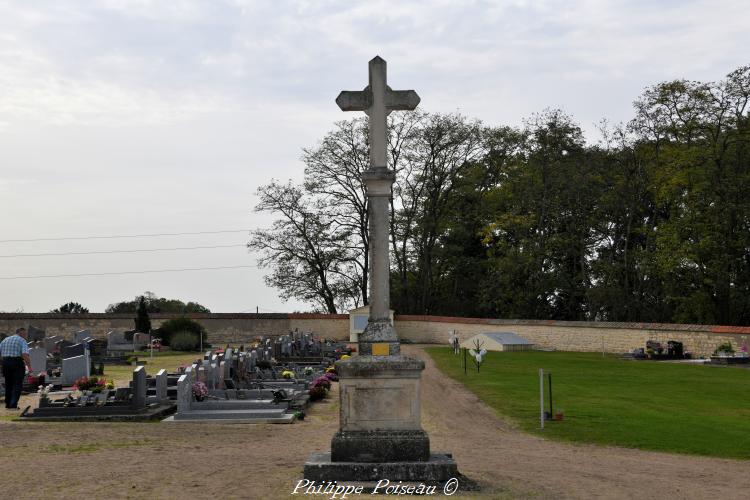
123, 272
119, 251
122, 236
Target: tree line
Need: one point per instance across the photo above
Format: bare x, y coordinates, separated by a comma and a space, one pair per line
650, 224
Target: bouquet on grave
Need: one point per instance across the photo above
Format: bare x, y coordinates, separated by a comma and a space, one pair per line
200, 391
321, 381
316, 393
44, 392
93, 384
287, 374
309, 370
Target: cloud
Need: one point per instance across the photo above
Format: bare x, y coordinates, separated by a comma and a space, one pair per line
146, 115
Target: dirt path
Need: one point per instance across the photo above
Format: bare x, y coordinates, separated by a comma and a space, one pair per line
508, 461
84, 460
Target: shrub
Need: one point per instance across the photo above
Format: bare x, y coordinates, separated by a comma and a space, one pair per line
726, 347
170, 328
185, 341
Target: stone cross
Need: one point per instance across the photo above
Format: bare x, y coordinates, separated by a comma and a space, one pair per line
378, 100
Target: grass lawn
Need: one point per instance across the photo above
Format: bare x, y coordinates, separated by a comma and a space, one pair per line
171, 360
650, 405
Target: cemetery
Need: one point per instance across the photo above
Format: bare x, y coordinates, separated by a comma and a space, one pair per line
593, 294
271, 382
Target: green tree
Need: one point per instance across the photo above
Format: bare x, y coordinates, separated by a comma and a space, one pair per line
142, 321
70, 308
156, 304
186, 329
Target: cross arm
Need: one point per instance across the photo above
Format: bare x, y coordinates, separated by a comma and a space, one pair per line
355, 100
401, 99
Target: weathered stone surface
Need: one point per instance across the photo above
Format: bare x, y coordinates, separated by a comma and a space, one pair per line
139, 387
439, 468
38, 358
376, 332
380, 446
380, 366
161, 386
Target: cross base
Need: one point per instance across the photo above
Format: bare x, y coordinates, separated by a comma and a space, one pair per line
379, 339
380, 446
439, 468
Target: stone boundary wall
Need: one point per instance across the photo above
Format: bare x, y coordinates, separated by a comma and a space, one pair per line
584, 336
562, 335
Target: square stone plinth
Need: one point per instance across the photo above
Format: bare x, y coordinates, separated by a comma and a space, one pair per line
380, 393
438, 469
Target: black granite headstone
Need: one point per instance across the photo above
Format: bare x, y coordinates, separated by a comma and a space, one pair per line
73, 351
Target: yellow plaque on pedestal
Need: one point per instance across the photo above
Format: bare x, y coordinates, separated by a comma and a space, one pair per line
380, 349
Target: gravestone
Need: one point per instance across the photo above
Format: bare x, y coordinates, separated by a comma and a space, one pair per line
96, 347
380, 434
38, 358
213, 376
73, 351
49, 342
35, 334
139, 387
219, 375
141, 339
185, 390
116, 337
74, 368
61, 345
161, 386
81, 335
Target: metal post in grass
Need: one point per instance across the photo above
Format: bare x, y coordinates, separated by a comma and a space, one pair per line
549, 387
541, 397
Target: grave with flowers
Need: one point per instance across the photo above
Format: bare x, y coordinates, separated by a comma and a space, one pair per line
96, 398
238, 385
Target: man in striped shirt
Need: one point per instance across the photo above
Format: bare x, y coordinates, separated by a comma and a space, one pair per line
15, 354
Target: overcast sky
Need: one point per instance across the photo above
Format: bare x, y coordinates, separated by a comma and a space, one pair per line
125, 117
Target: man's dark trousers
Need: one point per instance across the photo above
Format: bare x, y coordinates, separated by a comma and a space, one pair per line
13, 371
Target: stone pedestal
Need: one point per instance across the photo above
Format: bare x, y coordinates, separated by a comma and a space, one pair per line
380, 411
380, 435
